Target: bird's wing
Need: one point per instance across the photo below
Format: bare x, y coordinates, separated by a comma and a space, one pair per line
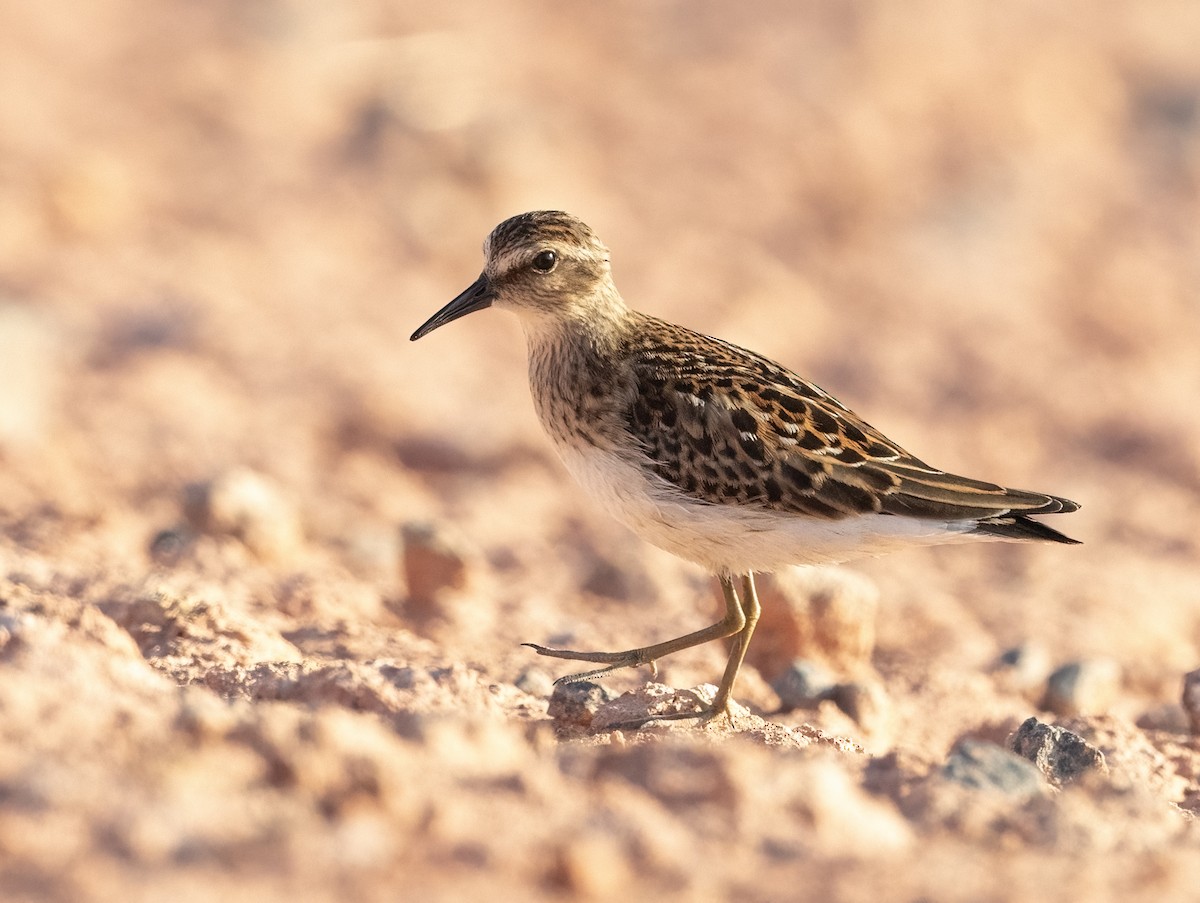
727, 426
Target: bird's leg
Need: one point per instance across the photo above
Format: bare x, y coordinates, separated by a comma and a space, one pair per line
741, 643
734, 622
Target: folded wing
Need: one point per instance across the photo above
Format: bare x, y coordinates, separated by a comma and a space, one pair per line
727, 426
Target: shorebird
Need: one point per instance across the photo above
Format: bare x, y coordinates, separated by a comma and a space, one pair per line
712, 452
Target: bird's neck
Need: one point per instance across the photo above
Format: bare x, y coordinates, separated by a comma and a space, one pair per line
590, 329
575, 372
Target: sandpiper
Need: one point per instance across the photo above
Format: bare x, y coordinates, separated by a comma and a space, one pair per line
708, 450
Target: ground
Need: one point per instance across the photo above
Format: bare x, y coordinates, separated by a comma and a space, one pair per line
265, 566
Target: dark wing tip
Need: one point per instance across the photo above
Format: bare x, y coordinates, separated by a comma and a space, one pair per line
1018, 526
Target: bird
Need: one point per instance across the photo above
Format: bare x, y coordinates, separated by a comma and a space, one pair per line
708, 450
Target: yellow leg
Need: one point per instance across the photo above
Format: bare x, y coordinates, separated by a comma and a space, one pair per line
752, 609
739, 621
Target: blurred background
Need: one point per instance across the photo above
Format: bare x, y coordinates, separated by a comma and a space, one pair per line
219, 223
977, 224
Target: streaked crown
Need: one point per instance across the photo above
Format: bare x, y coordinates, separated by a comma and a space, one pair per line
552, 228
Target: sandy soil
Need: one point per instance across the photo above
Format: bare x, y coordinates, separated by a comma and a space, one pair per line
265, 566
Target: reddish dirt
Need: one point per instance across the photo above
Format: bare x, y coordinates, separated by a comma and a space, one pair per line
265, 566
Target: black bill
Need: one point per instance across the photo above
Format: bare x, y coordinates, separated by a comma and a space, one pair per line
477, 297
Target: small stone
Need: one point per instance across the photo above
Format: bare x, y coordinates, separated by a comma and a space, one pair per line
168, 546
1058, 754
1088, 686
803, 685
986, 766
577, 702
1191, 698
248, 506
434, 562
1022, 668
535, 682
1170, 717
864, 701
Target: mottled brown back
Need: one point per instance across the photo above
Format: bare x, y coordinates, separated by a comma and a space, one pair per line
728, 426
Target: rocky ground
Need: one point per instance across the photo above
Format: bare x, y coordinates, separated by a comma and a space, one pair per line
265, 567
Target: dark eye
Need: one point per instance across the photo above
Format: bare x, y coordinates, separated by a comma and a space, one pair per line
545, 261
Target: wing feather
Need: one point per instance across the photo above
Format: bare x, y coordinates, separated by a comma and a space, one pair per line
728, 426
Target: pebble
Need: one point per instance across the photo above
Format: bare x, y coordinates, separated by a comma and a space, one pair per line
1167, 716
864, 701
987, 766
248, 506
1087, 686
169, 546
535, 682
1022, 668
803, 685
576, 703
1191, 698
1059, 754
434, 561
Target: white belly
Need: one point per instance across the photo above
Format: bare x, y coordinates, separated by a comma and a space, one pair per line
740, 539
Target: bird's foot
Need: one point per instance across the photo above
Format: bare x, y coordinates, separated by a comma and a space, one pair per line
612, 661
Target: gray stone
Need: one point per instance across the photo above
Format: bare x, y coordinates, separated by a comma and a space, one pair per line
535, 682
1060, 755
250, 507
803, 685
169, 546
1191, 698
986, 766
1087, 686
864, 701
1022, 668
577, 702
1167, 716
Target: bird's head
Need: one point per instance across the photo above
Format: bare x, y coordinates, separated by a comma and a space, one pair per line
545, 266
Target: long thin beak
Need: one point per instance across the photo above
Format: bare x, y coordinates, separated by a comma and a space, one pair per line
477, 297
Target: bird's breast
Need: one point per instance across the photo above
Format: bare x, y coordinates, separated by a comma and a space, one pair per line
580, 398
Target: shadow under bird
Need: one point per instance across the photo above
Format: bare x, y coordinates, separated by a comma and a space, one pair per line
708, 450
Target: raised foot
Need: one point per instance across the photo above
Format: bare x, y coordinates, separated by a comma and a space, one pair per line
612, 661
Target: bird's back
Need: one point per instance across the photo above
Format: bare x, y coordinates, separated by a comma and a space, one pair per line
727, 426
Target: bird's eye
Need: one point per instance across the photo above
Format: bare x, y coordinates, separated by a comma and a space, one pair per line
545, 261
